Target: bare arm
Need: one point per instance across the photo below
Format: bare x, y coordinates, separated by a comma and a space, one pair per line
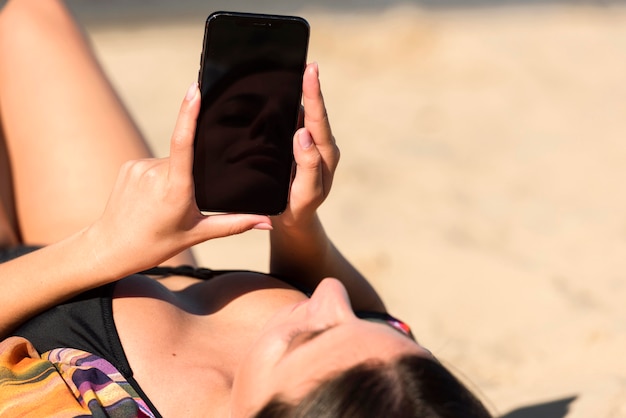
41, 279
307, 255
300, 248
151, 216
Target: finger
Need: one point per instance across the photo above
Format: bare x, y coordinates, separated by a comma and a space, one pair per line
315, 116
181, 146
218, 226
309, 174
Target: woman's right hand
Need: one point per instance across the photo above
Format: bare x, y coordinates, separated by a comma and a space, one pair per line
316, 155
152, 213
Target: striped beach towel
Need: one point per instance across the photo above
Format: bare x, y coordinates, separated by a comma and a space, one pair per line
62, 382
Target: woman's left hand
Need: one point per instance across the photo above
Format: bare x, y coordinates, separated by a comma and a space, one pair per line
152, 213
316, 155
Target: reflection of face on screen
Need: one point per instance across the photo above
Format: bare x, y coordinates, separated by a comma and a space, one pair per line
243, 146
251, 85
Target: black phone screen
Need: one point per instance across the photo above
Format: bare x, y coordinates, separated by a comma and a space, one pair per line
251, 84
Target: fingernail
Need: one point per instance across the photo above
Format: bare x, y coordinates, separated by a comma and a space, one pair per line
304, 138
191, 92
315, 67
263, 226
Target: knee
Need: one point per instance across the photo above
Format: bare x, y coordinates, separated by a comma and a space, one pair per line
27, 19
16, 20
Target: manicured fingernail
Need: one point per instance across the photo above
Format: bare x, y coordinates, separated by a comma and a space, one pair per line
304, 138
191, 92
263, 226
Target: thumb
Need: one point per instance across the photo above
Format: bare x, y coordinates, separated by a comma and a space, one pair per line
181, 145
224, 225
308, 161
305, 151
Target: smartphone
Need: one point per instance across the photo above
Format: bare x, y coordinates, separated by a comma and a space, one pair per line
250, 79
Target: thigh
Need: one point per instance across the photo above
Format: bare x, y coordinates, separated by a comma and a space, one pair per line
66, 130
8, 222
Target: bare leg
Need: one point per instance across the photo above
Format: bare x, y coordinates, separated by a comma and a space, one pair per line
8, 222
66, 130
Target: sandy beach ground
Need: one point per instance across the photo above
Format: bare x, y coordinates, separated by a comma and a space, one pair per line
481, 186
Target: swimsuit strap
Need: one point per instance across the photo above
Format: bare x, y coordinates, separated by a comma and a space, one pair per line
184, 270
385, 318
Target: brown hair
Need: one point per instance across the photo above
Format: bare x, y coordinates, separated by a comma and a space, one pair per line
410, 387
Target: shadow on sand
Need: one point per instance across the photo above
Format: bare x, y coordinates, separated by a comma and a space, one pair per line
553, 409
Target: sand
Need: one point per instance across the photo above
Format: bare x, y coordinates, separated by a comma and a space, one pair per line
481, 186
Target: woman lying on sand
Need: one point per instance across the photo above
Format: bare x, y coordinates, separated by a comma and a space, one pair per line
86, 327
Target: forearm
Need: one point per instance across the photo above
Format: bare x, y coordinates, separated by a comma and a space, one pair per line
306, 255
39, 280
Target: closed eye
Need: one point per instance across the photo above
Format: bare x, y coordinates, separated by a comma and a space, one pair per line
301, 337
